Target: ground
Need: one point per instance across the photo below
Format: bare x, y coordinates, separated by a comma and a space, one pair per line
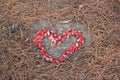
19, 56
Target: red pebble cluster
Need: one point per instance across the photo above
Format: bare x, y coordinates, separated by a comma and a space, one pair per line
58, 40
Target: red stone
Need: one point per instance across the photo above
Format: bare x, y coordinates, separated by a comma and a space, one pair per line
60, 36
40, 45
51, 36
74, 45
57, 61
42, 52
59, 43
82, 39
37, 42
39, 32
55, 35
75, 31
63, 38
68, 53
62, 58
70, 33
53, 61
52, 57
46, 54
34, 40
56, 39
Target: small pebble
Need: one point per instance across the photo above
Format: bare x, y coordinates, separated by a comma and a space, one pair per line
13, 28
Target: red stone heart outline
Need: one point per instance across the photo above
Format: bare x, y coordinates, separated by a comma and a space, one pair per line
58, 39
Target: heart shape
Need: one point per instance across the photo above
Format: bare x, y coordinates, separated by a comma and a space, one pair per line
58, 40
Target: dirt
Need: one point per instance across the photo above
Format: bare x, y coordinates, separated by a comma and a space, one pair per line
19, 59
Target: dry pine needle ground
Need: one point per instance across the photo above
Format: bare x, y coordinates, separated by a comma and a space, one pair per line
101, 60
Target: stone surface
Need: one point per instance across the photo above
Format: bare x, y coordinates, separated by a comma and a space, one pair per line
59, 28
